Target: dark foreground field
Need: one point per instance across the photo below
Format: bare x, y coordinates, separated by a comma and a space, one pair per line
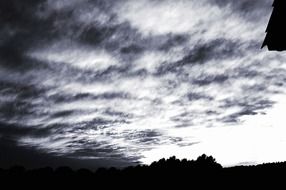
201, 173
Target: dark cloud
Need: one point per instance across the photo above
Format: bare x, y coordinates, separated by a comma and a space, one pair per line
249, 106
146, 137
235, 118
53, 105
133, 49
206, 80
61, 98
243, 5
17, 100
184, 119
203, 52
23, 30
120, 114
12, 154
173, 41
13, 132
248, 102
32, 24
65, 113
95, 150
97, 35
197, 96
244, 72
219, 49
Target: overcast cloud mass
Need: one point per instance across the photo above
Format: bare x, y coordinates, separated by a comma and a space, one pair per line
133, 81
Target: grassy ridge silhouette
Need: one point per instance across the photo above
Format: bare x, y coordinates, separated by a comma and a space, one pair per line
204, 172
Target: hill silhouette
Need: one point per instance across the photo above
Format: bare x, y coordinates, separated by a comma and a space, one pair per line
276, 31
203, 173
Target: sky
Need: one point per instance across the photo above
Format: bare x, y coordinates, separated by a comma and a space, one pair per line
93, 83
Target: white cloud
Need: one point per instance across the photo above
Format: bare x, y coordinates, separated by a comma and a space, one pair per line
79, 57
156, 17
191, 17
258, 140
161, 102
152, 60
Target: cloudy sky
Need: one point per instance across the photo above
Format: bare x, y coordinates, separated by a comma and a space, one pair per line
118, 82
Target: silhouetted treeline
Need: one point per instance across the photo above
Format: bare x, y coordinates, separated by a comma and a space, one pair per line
203, 173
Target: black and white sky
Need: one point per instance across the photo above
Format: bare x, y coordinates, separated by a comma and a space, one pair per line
118, 82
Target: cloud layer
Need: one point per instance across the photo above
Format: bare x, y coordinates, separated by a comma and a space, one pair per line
126, 80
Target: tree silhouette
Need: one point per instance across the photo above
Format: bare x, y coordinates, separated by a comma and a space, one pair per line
204, 172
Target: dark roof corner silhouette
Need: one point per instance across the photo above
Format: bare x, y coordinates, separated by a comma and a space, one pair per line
275, 38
